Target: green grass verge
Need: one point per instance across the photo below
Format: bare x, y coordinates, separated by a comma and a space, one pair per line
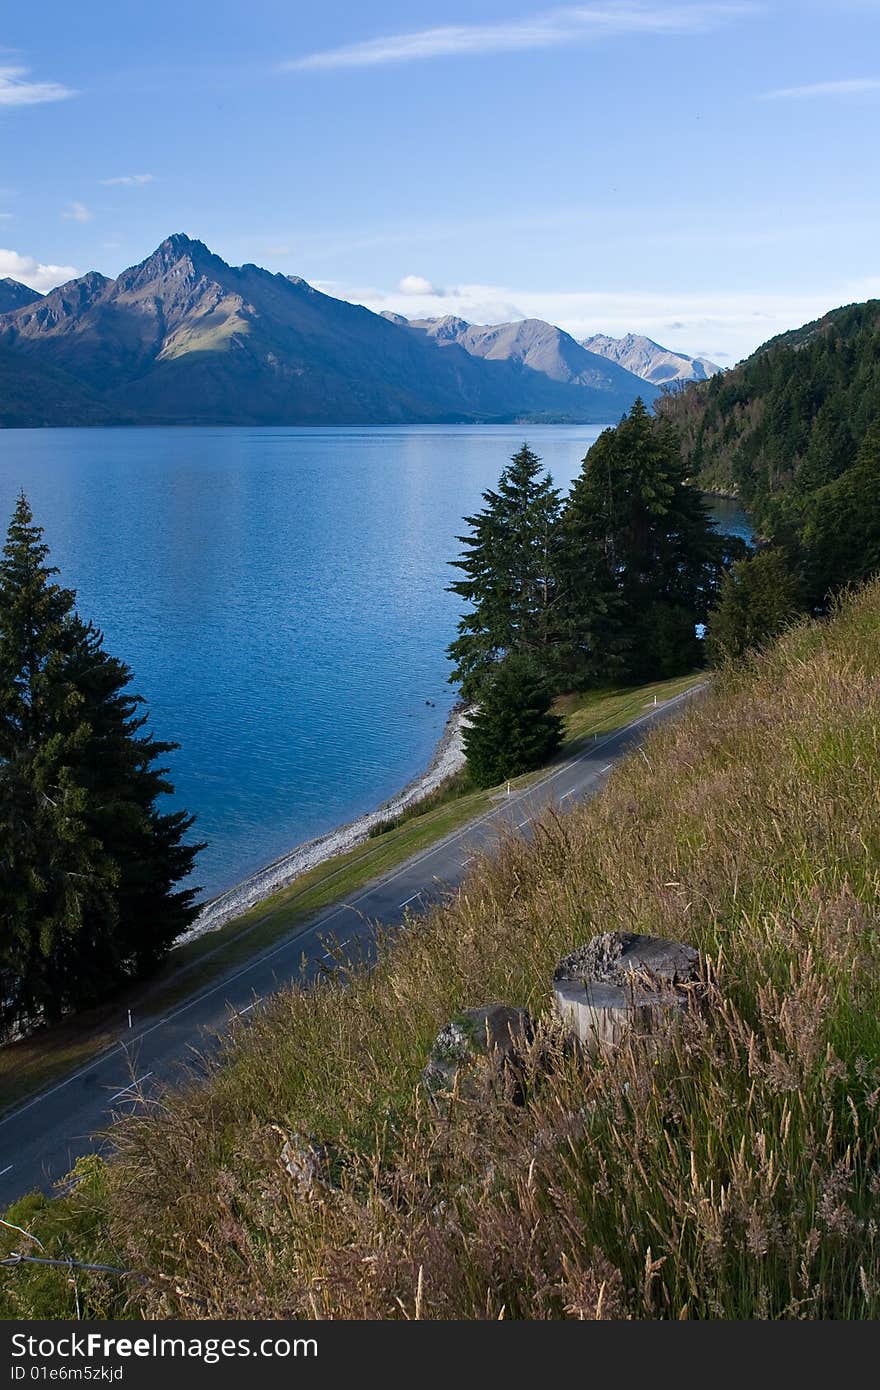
29, 1066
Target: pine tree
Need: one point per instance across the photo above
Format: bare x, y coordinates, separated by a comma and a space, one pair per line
647, 561
32, 633
88, 863
512, 730
511, 583
119, 769
52, 873
759, 597
840, 540
594, 644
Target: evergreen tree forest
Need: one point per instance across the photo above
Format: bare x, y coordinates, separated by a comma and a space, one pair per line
793, 432
606, 586
91, 866
614, 582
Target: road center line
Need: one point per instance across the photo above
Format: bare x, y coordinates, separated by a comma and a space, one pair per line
7, 1170
130, 1087
413, 898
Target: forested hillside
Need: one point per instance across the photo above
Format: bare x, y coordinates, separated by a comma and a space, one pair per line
791, 431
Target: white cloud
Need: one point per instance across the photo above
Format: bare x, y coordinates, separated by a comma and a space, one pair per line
32, 272
16, 89
722, 325
848, 86
549, 29
128, 181
417, 284
76, 212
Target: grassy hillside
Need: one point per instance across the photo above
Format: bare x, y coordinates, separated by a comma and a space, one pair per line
734, 1173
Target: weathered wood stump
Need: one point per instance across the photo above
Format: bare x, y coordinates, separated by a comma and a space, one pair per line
622, 982
495, 1034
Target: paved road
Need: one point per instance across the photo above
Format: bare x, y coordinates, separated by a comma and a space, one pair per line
40, 1140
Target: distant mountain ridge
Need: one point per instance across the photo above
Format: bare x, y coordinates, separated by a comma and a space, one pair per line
15, 295
648, 360
530, 343
184, 338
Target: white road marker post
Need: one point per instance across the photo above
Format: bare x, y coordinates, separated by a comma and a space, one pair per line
508, 789
129, 1018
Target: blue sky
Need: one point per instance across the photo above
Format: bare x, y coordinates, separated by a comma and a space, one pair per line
702, 172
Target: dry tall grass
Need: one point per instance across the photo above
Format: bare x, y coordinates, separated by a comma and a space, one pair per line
735, 1174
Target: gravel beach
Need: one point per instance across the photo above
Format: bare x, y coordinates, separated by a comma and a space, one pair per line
448, 759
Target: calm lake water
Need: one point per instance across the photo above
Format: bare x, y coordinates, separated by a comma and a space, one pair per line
280, 596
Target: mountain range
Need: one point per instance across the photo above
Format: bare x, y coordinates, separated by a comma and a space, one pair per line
648, 360
531, 344
184, 338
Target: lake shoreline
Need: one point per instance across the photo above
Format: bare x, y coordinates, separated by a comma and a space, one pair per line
448, 758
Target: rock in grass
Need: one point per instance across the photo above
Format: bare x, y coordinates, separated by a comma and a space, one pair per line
305, 1160
493, 1033
620, 981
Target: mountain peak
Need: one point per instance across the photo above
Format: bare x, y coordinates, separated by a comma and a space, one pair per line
92, 278
180, 247
180, 258
448, 328
649, 360
179, 244
14, 295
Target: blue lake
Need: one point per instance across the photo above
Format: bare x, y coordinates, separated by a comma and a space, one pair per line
280, 596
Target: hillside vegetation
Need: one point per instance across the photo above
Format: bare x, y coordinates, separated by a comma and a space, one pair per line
732, 1173
784, 431
789, 419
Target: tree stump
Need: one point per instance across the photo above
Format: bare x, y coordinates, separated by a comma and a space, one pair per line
621, 982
